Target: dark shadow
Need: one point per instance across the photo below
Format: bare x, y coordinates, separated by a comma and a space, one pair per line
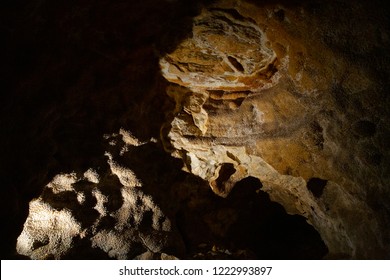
316, 186
265, 228
72, 71
247, 225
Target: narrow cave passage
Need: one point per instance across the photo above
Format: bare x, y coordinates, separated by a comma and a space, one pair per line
247, 225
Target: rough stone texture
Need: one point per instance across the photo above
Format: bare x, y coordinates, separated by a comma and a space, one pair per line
224, 52
107, 211
162, 214
298, 111
274, 106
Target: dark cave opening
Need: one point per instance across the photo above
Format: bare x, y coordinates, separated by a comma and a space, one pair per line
247, 225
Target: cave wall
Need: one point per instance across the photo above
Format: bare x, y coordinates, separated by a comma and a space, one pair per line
297, 112
100, 96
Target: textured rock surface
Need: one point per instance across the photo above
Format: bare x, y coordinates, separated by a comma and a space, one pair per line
111, 213
297, 117
226, 51
107, 212
274, 106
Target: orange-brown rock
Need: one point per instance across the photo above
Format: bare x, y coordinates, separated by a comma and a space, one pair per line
226, 51
259, 92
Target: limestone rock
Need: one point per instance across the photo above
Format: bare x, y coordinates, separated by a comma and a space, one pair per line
258, 94
48, 232
226, 51
105, 210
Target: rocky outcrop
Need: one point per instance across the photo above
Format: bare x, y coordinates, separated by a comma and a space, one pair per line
226, 51
259, 93
132, 206
103, 213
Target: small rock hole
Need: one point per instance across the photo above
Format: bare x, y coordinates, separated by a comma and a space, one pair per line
227, 170
38, 243
316, 186
236, 64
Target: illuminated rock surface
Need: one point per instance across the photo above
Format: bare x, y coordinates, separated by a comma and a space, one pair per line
302, 117
277, 112
91, 212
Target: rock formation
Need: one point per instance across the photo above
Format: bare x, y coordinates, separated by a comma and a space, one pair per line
110, 212
235, 129
254, 98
